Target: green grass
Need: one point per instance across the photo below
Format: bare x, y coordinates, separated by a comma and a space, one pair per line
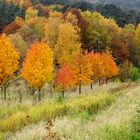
52, 110
8, 111
120, 121
135, 131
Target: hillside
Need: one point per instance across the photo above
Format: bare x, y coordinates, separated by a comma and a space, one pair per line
127, 4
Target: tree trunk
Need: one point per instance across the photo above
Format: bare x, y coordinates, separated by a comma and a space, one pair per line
4, 93
106, 80
91, 86
80, 89
39, 95
63, 93
99, 81
20, 98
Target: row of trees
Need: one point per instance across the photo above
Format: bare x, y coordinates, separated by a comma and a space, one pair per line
38, 68
83, 44
87, 30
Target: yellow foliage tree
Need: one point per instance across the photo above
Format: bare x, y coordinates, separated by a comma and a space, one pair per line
8, 62
68, 45
31, 15
137, 36
52, 27
19, 21
83, 70
19, 44
38, 66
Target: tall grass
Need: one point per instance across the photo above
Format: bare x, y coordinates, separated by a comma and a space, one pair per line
48, 111
135, 131
8, 111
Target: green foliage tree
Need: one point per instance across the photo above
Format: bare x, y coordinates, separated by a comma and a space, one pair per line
97, 38
8, 13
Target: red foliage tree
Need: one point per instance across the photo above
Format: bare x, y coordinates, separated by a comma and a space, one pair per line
65, 77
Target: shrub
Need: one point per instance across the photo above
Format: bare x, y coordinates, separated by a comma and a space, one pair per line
134, 73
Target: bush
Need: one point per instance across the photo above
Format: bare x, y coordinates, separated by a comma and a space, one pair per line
134, 73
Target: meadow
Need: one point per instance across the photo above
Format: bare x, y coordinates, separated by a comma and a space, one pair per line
112, 110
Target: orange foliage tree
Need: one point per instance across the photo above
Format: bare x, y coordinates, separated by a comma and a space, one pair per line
103, 65
83, 70
65, 77
38, 66
8, 62
109, 66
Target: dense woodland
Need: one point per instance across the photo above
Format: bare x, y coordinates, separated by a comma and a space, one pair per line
66, 46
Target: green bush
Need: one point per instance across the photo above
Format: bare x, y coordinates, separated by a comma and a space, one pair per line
134, 73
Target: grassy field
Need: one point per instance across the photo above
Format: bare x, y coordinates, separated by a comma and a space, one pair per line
110, 112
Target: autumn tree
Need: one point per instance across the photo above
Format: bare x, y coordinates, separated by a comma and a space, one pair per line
103, 66
135, 50
19, 21
110, 68
27, 34
11, 28
31, 14
8, 62
39, 25
137, 36
68, 45
51, 29
96, 36
19, 44
119, 39
83, 70
38, 66
65, 78
74, 16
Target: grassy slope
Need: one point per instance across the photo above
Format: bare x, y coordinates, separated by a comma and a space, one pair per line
111, 124
89, 126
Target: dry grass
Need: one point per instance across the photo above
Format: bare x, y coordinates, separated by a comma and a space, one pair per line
78, 128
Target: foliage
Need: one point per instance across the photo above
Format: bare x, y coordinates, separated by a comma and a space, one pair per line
68, 45
38, 27
51, 29
31, 14
137, 36
8, 59
134, 73
38, 66
103, 65
19, 44
125, 70
97, 38
11, 28
65, 77
8, 13
83, 71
